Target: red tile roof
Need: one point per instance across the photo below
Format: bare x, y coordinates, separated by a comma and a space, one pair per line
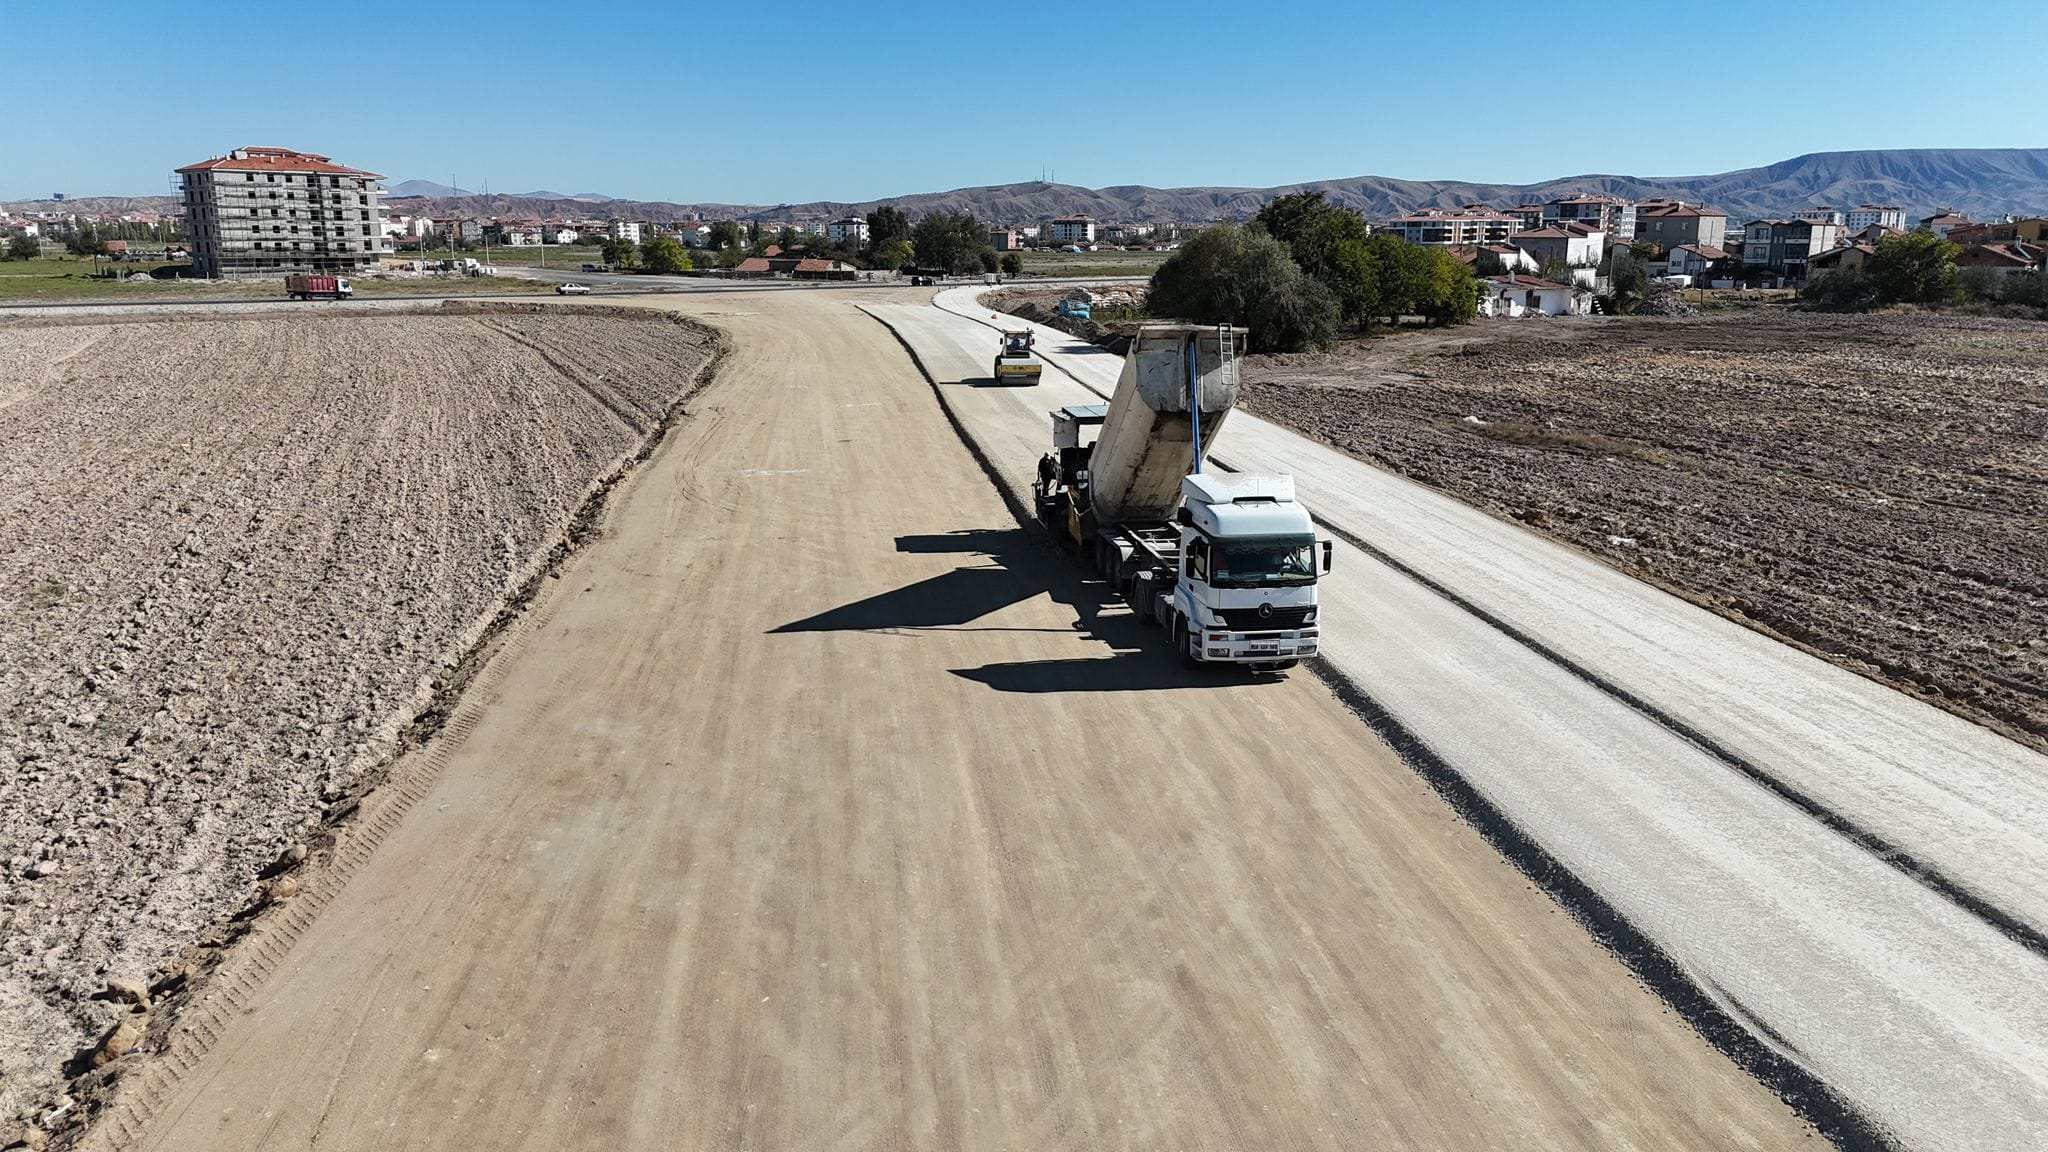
753, 264
275, 160
815, 265
1525, 282
1707, 250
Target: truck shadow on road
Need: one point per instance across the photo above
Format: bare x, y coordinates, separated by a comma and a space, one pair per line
1017, 565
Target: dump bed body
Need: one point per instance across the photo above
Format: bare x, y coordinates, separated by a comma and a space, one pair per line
1147, 440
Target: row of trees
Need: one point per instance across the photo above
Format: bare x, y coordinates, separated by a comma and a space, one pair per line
1303, 270
1919, 268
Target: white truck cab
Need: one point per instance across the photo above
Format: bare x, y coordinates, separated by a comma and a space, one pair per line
1249, 560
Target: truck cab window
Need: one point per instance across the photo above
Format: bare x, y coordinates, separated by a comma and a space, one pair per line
1198, 559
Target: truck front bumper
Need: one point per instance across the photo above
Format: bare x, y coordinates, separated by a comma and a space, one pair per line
1262, 648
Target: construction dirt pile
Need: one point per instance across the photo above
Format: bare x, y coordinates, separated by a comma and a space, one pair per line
240, 554
1872, 488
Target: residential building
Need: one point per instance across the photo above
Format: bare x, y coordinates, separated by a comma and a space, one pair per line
1784, 246
1694, 260
1874, 233
1073, 230
1820, 215
463, 231
1530, 216
813, 268
1942, 223
1005, 239
1610, 214
1671, 224
623, 230
1576, 246
852, 228
1511, 258
1511, 296
1462, 227
1864, 215
1854, 254
2032, 229
270, 211
2004, 258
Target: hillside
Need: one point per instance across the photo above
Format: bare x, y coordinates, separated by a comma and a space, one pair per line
1980, 182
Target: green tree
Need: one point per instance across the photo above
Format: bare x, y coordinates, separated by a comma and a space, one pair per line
786, 238
1915, 268
1226, 274
989, 260
1643, 249
85, 240
1013, 264
22, 246
1450, 292
754, 234
664, 255
899, 254
620, 253
1628, 283
953, 241
1328, 242
724, 234
887, 225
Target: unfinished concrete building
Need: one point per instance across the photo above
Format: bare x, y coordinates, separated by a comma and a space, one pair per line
269, 211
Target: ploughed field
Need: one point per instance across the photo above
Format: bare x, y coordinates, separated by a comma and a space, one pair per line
237, 556
1873, 488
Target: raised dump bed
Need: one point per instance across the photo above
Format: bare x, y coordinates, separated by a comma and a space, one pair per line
1147, 441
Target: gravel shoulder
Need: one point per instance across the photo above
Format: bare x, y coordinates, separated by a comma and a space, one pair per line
241, 555
1872, 489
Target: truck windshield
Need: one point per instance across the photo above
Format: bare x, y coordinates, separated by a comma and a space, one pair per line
1253, 563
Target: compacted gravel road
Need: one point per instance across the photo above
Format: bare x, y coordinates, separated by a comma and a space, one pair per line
236, 556
818, 805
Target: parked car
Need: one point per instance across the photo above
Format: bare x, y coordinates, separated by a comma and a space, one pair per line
593, 267
571, 290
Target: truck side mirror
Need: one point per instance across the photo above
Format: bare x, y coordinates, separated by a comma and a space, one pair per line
1329, 553
1184, 516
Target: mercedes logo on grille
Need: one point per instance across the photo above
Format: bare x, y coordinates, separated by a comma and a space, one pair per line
1265, 611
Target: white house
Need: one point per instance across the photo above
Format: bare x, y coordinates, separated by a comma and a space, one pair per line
1693, 260
851, 228
1073, 230
559, 234
624, 230
1520, 295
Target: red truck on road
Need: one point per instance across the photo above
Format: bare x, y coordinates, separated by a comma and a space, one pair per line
300, 286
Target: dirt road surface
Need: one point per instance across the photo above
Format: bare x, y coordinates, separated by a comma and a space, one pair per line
805, 816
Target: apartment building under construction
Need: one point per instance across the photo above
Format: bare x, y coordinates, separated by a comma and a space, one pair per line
269, 211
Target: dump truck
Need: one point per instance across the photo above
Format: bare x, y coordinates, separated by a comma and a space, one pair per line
300, 286
1015, 362
1225, 562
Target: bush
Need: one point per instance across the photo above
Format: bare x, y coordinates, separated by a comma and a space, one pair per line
1840, 290
1226, 274
1013, 264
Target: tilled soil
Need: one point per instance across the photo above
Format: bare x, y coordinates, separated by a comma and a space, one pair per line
236, 556
1872, 488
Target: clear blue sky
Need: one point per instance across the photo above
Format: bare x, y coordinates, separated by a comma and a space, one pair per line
791, 102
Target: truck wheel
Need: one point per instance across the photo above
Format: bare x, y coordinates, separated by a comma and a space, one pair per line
1185, 641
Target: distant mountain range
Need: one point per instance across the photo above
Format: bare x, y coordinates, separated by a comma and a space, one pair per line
1979, 182
410, 188
1974, 181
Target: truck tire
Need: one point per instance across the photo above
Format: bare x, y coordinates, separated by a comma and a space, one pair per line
1185, 641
